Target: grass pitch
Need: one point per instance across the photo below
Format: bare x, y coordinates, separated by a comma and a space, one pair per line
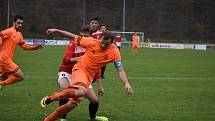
169, 85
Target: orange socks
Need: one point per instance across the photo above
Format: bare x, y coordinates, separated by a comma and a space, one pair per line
10, 80
60, 111
67, 93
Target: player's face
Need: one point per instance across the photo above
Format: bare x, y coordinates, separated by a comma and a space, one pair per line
103, 28
18, 24
105, 43
94, 24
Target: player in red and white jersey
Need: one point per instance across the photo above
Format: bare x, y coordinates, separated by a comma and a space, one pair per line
118, 39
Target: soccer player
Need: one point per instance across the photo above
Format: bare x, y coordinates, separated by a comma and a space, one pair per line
98, 53
135, 43
97, 35
94, 23
9, 39
118, 39
72, 54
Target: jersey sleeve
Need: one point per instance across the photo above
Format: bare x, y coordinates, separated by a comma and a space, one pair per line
5, 34
117, 55
69, 52
21, 40
85, 42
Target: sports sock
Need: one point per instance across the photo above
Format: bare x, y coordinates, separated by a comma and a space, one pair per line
103, 71
67, 93
10, 80
93, 108
62, 102
60, 111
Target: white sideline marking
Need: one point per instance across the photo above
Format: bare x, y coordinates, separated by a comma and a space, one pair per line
136, 78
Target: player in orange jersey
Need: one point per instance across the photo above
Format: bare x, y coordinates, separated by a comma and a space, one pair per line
98, 53
135, 43
9, 39
72, 54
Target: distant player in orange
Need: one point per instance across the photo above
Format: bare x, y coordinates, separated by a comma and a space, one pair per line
98, 53
135, 43
9, 39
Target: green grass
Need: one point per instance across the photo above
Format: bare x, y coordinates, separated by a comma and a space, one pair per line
169, 85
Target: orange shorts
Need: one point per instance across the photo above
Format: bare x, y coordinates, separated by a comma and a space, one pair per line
134, 45
8, 67
80, 78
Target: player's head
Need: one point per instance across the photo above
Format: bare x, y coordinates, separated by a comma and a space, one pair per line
18, 22
85, 31
103, 27
106, 39
94, 23
135, 33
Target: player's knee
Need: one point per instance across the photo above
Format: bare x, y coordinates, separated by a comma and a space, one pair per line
94, 101
81, 92
63, 83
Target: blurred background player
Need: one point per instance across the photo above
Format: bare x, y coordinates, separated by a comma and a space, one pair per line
118, 40
85, 70
72, 54
9, 39
135, 43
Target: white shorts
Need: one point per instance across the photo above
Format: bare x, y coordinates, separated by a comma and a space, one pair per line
118, 44
67, 76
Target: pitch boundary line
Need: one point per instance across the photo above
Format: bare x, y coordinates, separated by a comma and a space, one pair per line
136, 78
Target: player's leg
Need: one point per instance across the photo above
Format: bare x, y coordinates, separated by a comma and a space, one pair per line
94, 102
13, 78
61, 111
15, 74
71, 92
63, 81
103, 72
136, 49
94, 105
77, 88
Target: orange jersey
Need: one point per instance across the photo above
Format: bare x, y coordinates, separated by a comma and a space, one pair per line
94, 57
135, 39
10, 39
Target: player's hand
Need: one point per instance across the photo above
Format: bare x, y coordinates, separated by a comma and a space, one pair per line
100, 92
128, 89
50, 31
39, 46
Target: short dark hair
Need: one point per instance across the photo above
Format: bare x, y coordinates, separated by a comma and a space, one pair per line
86, 28
95, 18
108, 35
102, 25
18, 17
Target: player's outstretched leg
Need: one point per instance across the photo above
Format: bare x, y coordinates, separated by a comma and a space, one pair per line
65, 94
60, 111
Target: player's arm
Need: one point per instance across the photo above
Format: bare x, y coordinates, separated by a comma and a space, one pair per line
30, 47
4, 35
100, 87
123, 77
64, 33
99, 83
